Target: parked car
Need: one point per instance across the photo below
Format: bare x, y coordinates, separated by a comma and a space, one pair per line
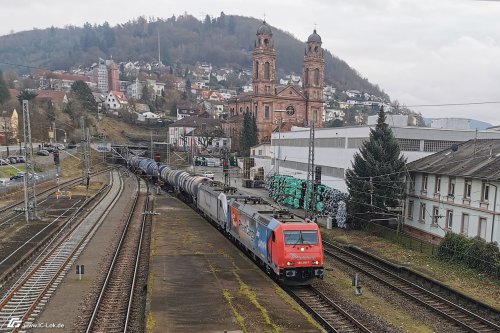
4, 161
12, 159
20, 176
43, 152
20, 159
17, 178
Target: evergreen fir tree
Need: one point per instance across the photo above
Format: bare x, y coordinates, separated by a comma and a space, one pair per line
248, 135
4, 90
27, 95
84, 95
254, 132
375, 181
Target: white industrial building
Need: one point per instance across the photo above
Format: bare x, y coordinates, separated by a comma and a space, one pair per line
335, 148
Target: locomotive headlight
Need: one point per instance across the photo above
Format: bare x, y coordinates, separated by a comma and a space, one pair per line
315, 262
289, 263
302, 249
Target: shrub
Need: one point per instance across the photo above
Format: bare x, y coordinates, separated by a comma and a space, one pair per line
473, 252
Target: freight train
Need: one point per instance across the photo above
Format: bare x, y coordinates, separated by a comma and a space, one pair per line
289, 248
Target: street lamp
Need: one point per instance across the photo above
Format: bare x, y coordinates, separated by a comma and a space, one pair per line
277, 161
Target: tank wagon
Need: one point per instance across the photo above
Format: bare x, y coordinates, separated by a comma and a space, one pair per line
288, 247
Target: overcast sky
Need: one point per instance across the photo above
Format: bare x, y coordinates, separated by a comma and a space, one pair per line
418, 51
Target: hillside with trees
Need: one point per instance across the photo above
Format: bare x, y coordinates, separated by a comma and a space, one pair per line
225, 41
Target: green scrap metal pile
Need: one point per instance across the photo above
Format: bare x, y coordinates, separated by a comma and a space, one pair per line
293, 193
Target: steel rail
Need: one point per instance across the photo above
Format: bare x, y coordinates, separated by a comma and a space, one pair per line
413, 291
48, 275
328, 313
106, 283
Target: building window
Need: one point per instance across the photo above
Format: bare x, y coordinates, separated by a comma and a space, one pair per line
467, 188
306, 77
464, 229
421, 215
256, 70
481, 232
266, 111
266, 71
424, 182
253, 151
260, 152
255, 114
412, 182
241, 110
437, 185
248, 109
410, 209
435, 215
449, 219
485, 192
315, 116
451, 187
316, 77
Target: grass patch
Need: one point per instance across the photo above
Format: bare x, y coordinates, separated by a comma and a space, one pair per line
455, 275
150, 323
239, 318
252, 296
8, 171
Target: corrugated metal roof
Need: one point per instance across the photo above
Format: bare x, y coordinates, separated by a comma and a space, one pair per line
473, 158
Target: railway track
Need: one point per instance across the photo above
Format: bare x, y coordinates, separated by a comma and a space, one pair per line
439, 305
115, 302
329, 314
28, 295
50, 190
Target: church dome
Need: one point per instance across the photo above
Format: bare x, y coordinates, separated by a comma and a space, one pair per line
314, 37
264, 29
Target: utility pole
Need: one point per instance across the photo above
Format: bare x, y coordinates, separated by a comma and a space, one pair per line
85, 144
311, 202
54, 129
151, 143
29, 176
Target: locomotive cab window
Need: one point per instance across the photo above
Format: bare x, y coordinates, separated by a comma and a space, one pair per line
301, 237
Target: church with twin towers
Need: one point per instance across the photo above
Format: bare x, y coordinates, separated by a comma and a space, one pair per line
266, 102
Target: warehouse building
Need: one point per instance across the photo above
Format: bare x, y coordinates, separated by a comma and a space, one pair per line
335, 148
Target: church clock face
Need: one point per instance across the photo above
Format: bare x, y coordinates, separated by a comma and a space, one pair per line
290, 110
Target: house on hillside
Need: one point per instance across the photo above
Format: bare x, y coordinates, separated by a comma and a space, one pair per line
9, 126
455, 190
189, 132
116, 100
100, 99
63, 81
58, 98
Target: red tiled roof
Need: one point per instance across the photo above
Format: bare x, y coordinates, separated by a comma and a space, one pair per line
71, 77
53, 95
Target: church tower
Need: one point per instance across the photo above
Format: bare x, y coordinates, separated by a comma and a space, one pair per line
264, 62
313, 79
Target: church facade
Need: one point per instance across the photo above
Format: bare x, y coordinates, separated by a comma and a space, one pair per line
273, 106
